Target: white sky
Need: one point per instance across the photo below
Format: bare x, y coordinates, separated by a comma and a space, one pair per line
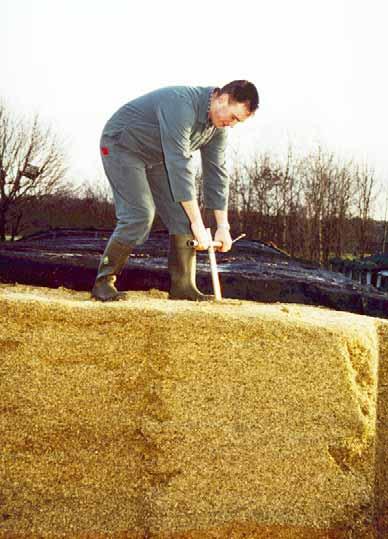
320, 67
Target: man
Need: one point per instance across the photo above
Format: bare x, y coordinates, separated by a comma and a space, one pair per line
146, 149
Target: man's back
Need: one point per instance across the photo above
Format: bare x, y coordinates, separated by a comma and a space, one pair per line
177, 113
142, 112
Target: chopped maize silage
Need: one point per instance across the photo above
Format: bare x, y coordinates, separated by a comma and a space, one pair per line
170, 419
381, 488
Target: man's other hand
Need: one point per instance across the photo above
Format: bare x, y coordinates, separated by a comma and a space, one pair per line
223, 235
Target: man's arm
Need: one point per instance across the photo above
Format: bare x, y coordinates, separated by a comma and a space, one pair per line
198, 228
216, 185
222, 234
176, 118
223, 230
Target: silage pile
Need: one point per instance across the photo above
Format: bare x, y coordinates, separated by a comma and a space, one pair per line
162, 419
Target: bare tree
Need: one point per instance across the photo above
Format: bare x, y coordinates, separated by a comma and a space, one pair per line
341, 193
266, 197
236, 201
328, 187
365, 182
315, 206
259, 178
311, 170
32, 165
96, 202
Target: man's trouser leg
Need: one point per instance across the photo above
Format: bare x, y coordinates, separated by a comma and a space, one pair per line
135, 212
181, 257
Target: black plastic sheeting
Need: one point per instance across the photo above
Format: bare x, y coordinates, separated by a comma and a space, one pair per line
252, 270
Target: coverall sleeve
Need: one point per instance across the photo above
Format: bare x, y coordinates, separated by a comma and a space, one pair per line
215, 175
176, 118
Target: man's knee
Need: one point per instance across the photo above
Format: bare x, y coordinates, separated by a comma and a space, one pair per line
134, 230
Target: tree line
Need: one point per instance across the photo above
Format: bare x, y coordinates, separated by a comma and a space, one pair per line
314, 206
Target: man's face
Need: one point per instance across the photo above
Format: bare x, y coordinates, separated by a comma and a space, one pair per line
227, 113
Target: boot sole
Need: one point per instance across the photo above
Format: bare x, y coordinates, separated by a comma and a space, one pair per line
119, 297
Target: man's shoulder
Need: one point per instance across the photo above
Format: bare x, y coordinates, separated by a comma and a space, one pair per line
193, 93
188, 103
181, 89
191, 101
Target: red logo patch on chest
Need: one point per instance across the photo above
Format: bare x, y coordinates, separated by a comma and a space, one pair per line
104, 150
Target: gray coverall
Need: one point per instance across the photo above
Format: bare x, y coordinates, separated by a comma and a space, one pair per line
146, 149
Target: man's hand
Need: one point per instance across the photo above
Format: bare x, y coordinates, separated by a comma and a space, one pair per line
200, 234
223, 235
198, 228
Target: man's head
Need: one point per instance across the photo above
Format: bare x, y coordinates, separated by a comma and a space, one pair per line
233, 103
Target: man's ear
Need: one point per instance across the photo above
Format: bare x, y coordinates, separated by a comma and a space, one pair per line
224, 99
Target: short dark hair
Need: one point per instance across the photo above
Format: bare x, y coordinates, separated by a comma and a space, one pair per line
242, 91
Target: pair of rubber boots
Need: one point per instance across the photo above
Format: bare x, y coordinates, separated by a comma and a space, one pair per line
181, 266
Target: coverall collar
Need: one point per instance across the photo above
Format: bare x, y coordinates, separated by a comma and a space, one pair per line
205, 105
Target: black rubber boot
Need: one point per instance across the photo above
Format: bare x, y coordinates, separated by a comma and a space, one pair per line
182, 267
112, 263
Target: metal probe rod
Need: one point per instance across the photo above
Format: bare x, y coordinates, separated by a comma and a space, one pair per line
239, 237
194, 243
213, 267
